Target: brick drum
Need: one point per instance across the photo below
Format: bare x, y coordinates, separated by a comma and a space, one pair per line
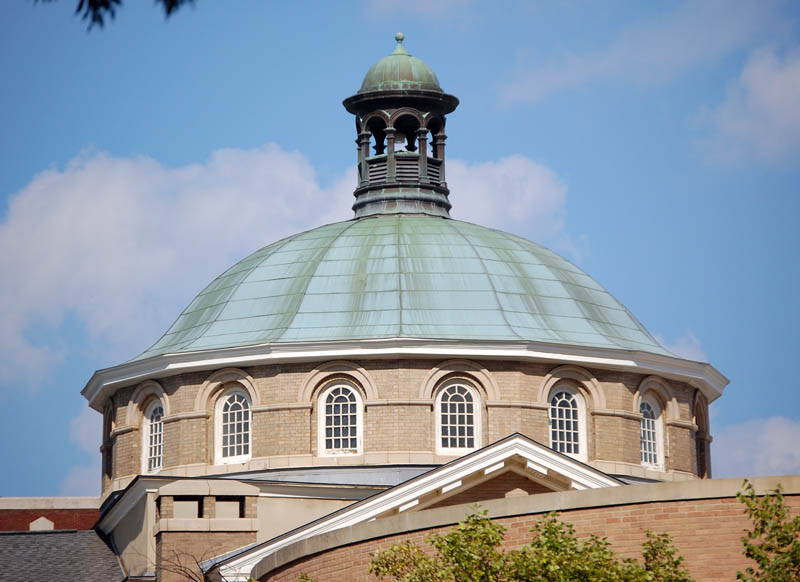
707, 532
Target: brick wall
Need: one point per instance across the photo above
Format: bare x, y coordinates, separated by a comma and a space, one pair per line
706, 531
178, 553
20, 519
400, 424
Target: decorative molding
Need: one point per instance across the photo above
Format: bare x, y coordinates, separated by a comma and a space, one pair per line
329, 370
225, 376
619, 413
282, 406
663, 393
517, 404
398, 402
139, 397
184, 416
470, 370
124, 430
687, 424
581, 376
699, 374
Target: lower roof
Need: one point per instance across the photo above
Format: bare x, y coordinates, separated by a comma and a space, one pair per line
44, 556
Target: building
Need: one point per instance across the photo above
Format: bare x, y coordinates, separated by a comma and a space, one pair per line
370, 379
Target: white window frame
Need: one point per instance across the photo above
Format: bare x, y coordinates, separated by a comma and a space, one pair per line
477, 420
658, 410
147, 426
219, 459
583, 440
322, 451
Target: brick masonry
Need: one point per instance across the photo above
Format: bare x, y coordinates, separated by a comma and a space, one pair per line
707, 532
398, 422
20, 519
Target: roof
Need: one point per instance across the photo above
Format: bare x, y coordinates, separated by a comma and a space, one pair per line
516, 452
400, 71
59, 554
404, 276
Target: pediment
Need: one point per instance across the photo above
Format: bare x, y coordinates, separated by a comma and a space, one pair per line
515, 465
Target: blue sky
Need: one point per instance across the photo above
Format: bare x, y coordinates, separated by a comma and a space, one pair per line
657, 145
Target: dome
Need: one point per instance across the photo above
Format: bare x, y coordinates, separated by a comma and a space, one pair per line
404, 276
400, 71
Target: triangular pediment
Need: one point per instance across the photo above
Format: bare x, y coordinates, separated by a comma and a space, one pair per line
515, 465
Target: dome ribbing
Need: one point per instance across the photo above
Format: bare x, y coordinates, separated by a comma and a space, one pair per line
404, 276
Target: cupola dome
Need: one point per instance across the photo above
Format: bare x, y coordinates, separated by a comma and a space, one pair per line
400, 71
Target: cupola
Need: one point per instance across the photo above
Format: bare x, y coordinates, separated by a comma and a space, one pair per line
400, 121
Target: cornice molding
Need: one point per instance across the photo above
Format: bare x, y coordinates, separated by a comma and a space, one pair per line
699, 374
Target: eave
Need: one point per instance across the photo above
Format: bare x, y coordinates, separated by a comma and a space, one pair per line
105, 382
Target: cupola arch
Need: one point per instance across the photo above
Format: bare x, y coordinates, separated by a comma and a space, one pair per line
140, 399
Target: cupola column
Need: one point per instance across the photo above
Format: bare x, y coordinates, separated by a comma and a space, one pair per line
363, 154
438, 152
391, 172
422, 140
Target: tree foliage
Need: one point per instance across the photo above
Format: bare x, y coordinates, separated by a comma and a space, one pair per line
472, 552
774, 540
98, 12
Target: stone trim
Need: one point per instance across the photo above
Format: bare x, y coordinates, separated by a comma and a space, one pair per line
203, 524
124, 430
471, 371
619, 413
687, 424
513, 506
398, 402
516, 404
319, 376
582, 377
184, 416
282, 406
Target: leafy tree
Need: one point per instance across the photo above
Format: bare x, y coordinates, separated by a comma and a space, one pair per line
472, 552
96, 12
774, 541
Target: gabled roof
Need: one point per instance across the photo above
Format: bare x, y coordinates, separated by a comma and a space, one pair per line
516, 453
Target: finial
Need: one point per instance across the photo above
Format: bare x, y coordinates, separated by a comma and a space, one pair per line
400, 50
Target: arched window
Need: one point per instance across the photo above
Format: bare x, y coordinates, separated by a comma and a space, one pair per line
651, 433
457, 418
567, 422
340, 424
153, 435
233, 427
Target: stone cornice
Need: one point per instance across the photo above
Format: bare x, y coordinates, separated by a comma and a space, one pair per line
104, 382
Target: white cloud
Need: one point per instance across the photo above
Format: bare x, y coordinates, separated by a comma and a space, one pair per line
119, 246
122, 244
760, 115
764, 446
694, 34
84, 432
686, 346
513, 193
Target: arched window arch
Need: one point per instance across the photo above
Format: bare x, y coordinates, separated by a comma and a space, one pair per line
153, 437
568, 421
233, 428
458, 418
340, 422
651, 433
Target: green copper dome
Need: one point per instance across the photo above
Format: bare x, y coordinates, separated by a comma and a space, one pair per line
400, 71
404, 276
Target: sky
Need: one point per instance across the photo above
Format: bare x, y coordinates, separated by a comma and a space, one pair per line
654, 144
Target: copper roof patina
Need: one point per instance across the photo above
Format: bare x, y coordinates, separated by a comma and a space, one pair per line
400, 71
404, 276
